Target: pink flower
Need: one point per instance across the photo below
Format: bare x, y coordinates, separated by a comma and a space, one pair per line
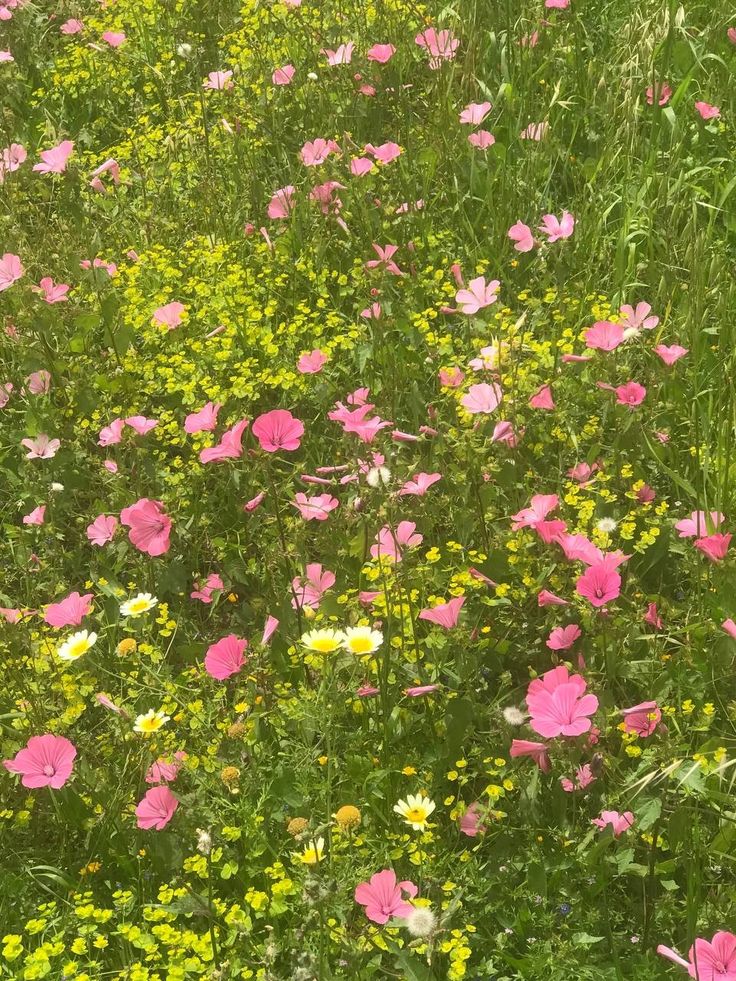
477, 296
39, 382
578, 548
561, 638
545, 598
645, 494
11, 158
311, 364
471, 821
204, 420
619, 822
385, 153
343, 55
52, 292
482, 398
169, 315
72, 26
419, 484
661, 91
156, 809
557, 4
600, 583
68, 612
112, 434
230, 446
451, 377
359, 167
731, 34
555, 228
382, 896
278, 430
714, 961
314, 153
282, 202
254, 503
584, 777
54, 161
11, 270
714, 547
670, 353
707, 111
140, 424
102, 529
381, 53
535, 131
391, 544
385, 259
226, 657
439, 46
535, 751
212, 584
36, 517
558, 704
419, 690
112, 167
521, 235
219, 81
316, 508
45, 761
164, 772
642, 719
637, 318
149, 525
542, 399
482, 139
444, 614
283, 75
730, 627
631, 394
474, 113
6, 57
269, 629
699, 523
114, 38
604, 335
309, 592
541, 506
40, 448
652, 617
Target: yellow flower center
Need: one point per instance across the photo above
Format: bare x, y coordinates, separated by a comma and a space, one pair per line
150, 725
325, 645
416, 814
77, 648
138, 606
360, 645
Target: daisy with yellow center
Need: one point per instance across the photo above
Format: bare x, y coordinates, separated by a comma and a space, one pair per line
76, 645
362, 640
313, 853
325, 641
150, 722
415, 810
137, 606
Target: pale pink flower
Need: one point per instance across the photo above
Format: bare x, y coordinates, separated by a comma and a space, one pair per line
730, 627
530, 40
558, 704
562, 638
521, 235
36, 517
381, 53
535, 132
156, 809
110, 166
315, 508
471, 821
11, 158
161, 771
40, 448
254, 503
637, 318
140, 424
642, 719
714, 547
283, 75
11, 270
542, 399
546, 598
391, 544
618, 822
557, 4
6, 390
578, 548
315, 152
385, 259
714, 960
373, 312
474, 113
670, 353
219, 81
312, 363
114, 38
102, 529
45, 761
419, 690
556, 228
383, 896
661, 91
68, 612
731, 34
112, 434
72, 26
419, 484
39, 382
230, 446
483, 398
10, 614
310, 590
226, 657
282, 202
359, 167
503, 432
343, 54
169, 315
482, 139
440, 46
477, 296
451, 377
699, 524
385, 153
204, 420
538, 752
444, 614
278, 430
149, 525
54, 161
6, 57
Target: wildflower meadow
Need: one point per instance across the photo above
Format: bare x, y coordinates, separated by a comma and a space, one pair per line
367, 486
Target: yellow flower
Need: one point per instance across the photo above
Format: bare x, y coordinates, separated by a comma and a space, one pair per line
348, 816
297, 826
126, 646
415, 810
150, 722
313, 853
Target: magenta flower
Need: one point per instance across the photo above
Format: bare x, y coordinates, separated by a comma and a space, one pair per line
619, 822
54, 161
556, 228
600, 583
68, 612
205, 420
546, 598
102, 529
562, 638
642, 719
558, 704
584, 777
269, 629
521, 235
149, 525
631, 394
156, 809
730, 627
382, 896
278, 430
541, 506
45, 761
230, 446
714, 547
391, 544
708, 961
417, 691
539, 752
444, 614
604, 335
482, 399
226, 657
478, 295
